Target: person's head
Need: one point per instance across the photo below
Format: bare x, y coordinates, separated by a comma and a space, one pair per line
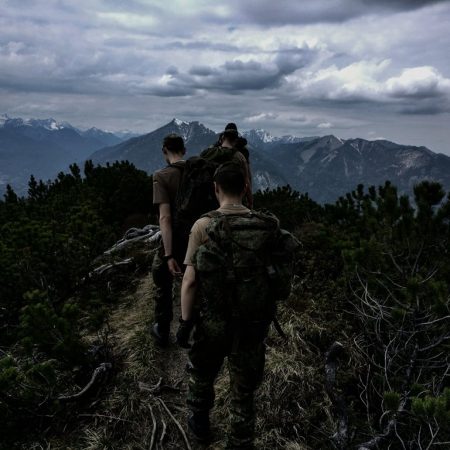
229, 180
173, 145
230, 135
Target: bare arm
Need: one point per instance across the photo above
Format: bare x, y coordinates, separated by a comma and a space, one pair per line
165, 224
188, 290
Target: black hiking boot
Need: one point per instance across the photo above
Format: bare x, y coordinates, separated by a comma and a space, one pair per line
160, 334
198, 425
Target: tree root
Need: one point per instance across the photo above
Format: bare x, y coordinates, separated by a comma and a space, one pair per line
158, 387
98, 372
183, 434
152, 440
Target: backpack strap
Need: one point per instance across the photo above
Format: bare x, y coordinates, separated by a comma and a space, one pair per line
213, 214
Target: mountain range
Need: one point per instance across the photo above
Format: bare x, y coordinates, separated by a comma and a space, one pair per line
44, 147
145, 152
324, 166
328, 167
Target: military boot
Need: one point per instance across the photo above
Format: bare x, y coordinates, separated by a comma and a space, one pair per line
198, 424
160, 333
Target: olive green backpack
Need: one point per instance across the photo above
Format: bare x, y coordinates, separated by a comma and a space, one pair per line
245, 267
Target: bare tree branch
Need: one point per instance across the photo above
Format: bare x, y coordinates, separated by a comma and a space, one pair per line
100, 370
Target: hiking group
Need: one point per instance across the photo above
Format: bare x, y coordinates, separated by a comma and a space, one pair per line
237, 266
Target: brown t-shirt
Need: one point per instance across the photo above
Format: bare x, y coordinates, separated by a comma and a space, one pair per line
165, 184
198, 234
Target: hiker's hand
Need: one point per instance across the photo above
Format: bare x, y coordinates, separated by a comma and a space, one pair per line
184, 333
174, 268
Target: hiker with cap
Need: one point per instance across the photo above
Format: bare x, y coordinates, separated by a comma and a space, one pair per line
240, 143
229, 291
232, 147
168, 261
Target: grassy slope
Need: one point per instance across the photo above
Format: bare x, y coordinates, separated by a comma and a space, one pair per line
293, 410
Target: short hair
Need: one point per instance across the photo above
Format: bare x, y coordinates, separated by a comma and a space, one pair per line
174, 143
231, 178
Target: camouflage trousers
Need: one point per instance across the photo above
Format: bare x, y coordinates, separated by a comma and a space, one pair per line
164, 283
245, 351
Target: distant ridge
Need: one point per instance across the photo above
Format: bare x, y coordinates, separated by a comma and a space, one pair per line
43, 147
323, 166
145, 151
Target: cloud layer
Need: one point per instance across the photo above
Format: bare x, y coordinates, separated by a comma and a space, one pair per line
349, 67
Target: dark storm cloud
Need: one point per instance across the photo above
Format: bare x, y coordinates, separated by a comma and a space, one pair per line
426, 108
401, 4
288, 60
98, 61
230, 78
172, 90
172, 70
202, 45
202, 71
236, 76
282, 12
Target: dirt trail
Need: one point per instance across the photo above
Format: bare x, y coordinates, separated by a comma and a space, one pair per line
151, 385
143, 404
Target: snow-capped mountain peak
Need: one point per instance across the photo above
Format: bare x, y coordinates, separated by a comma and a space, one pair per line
289, 139
187, 129
258, 136
49, 124
16, 122
179, 122
3, 119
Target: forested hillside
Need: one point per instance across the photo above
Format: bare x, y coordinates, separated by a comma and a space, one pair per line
366, 363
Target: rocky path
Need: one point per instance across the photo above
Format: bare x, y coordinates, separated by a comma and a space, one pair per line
146, 406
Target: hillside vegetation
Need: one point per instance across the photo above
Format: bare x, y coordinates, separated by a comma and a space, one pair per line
366, 363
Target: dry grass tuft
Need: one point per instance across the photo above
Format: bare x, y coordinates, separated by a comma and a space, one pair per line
294, 412
292, 406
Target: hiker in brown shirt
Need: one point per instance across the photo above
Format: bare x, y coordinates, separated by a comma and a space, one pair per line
168, 262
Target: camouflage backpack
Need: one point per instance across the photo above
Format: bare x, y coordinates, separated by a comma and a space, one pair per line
245, 267
218, 154
195, 195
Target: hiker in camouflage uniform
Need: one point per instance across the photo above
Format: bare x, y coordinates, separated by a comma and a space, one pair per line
230, 139
236, 332
168, 261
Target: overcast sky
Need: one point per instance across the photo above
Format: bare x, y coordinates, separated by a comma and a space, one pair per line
353, 68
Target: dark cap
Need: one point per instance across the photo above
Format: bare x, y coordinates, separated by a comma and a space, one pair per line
231, 126
231, 130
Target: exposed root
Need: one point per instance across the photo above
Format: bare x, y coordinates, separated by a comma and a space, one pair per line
98, 373
152, 440
183, 434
